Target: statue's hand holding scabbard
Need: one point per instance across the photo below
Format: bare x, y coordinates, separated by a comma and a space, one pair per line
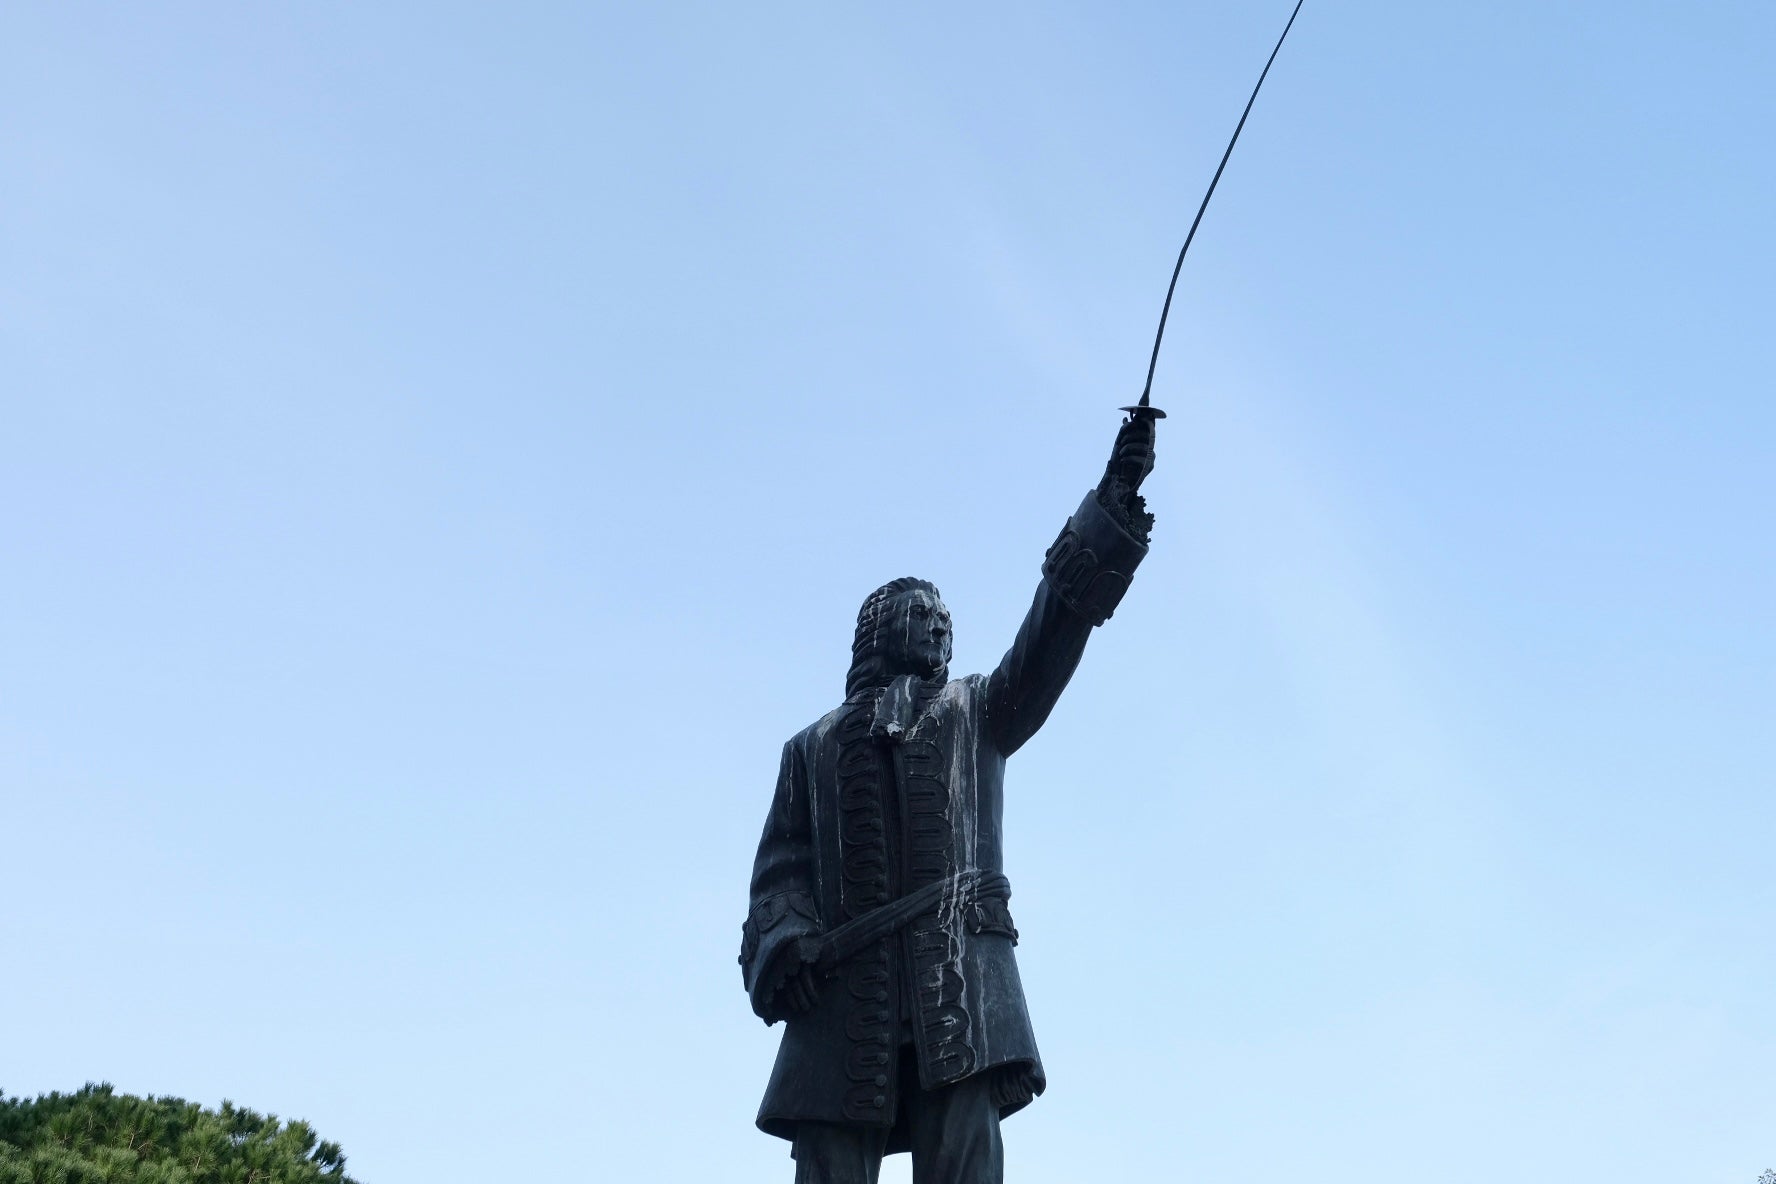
800, 988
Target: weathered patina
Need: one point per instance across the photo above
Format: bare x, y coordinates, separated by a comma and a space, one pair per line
879, 926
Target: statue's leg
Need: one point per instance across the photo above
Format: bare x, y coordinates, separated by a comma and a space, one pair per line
835, 1153
955, 1133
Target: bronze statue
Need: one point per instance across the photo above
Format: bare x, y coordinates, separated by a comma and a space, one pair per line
879, 927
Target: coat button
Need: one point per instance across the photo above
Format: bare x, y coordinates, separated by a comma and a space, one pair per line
881, 1081
880, 1101
881, 997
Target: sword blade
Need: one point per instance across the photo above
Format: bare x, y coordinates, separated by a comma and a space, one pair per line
1147, 391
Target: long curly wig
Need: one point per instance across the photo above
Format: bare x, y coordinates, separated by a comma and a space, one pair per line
869, 659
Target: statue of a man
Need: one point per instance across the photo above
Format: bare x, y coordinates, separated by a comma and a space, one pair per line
879, 928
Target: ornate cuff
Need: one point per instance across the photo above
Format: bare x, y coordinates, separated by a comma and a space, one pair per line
1090, 564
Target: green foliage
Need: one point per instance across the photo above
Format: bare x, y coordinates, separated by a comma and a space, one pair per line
98, 1136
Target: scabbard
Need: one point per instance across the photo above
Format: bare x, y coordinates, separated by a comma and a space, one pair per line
838, 944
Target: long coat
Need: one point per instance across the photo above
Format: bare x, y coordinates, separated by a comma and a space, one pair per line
857, 821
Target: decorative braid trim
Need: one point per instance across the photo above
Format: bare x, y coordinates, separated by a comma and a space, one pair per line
863, 885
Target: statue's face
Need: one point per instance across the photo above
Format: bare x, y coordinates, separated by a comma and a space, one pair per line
916, 633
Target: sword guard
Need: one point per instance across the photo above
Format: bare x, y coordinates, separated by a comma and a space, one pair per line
1142, 410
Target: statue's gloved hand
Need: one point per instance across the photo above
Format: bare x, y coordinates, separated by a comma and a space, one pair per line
802, 990
799, 989
1131, 459
1130, 462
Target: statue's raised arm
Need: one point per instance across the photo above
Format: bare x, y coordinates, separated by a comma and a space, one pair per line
1084, 577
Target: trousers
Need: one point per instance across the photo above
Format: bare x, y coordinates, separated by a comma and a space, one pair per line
954, 1131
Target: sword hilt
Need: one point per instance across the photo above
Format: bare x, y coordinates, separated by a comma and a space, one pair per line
1142, 410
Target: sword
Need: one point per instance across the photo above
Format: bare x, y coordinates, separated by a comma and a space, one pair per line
1145, 409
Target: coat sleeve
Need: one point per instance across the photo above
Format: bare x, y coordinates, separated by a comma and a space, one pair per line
783, 920
1084, 576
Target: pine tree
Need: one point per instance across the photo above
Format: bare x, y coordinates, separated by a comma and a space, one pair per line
98, 1136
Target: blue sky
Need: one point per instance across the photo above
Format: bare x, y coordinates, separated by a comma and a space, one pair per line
444, 446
